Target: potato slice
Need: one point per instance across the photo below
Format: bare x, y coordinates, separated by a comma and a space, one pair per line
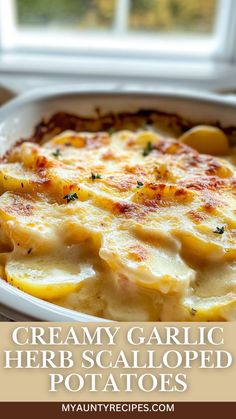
198, 309
204, 240
47, 277
145, 137
218, 308
29, 223
144, 264
206, 139
71, 138
13, 177
162, 194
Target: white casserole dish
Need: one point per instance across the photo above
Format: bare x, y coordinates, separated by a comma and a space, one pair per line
19, 117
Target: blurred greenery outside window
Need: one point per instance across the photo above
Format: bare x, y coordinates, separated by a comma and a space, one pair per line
145, 16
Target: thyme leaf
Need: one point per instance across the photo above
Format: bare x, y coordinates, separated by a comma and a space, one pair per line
148, 149
95, 176
71, 197
139, 184
111, 130
57, 153
193, 311
219, 230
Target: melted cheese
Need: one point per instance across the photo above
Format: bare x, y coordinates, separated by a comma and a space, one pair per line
128, 226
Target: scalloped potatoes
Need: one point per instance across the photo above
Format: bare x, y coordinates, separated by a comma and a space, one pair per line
128, 226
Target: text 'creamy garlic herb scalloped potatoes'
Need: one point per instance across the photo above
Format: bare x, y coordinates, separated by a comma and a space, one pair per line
129, 225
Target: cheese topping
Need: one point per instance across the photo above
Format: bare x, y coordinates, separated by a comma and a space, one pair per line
131, 225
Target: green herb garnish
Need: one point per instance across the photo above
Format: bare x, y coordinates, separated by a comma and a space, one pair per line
148, 149
139, 184
57, 153
95, 176
219, 230
193, 311
29, 251
111, 130
71, 197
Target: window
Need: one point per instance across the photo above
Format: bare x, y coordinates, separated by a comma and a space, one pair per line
152, 31
164, 27
156, 16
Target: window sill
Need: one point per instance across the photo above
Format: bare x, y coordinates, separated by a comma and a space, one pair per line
38, 69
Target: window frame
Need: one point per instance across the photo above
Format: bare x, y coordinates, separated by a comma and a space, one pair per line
122, 42
153, 57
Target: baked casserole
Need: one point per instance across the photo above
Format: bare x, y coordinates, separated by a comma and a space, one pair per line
130, 219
